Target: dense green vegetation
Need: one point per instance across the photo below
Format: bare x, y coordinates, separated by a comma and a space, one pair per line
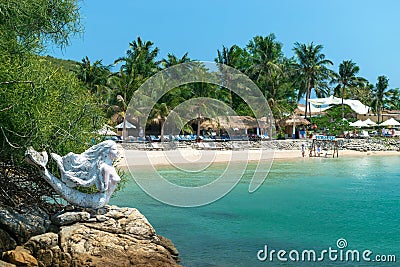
282, 80
57, 104
42, 103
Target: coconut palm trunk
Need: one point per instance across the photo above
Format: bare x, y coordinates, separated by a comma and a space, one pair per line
308, 106
198, 125
162, 130
343, 88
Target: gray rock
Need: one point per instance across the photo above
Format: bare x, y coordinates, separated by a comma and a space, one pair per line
21, 225
121, 237
70, 217
43, 241
101, 218
6, 241
46, 250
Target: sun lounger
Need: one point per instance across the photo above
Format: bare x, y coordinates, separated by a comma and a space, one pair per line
199, 146
181, 145
211, 146
233, 146
155, 146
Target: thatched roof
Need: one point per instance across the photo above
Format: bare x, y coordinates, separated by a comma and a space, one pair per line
209, 123
291, 121
231, 122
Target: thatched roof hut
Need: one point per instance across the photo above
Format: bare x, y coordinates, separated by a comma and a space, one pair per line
294, 121
234, 122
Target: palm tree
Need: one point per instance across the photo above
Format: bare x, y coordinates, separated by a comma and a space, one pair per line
159, 114
312, 68
268, 69
266, 61
346, 78
379, 95
93, 75
392, 99
138, 64
172, 60
231, 57
122, 86
140, 59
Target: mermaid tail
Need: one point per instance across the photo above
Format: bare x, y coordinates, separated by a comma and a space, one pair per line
39, 159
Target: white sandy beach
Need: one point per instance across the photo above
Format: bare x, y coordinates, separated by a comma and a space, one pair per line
193, 156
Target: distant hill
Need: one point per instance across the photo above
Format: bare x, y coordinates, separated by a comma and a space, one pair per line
70, 65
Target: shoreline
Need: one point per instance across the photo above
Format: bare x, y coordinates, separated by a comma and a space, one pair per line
140, 158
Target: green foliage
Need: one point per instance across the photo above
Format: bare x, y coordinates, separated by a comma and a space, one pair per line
312, 70
29, 25
392, 99
69, 65
379, 95
41, 103
45, 107
333, 122
93, 75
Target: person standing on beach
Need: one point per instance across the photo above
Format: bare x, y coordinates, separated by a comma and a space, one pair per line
303, 150
318, 150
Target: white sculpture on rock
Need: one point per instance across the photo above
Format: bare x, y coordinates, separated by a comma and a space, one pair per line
92, 167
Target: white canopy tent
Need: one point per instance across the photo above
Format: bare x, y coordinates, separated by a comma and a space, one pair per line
355, 105
325, 101
390, 122
370, 122
314, 109
359, 123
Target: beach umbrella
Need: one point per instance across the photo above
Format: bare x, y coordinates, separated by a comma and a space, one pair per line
359, 123
390, 122
128, 125
370, 122
106, 131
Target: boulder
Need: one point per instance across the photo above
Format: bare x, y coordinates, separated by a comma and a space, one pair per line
23, 224
6, 241
115, 237
120, 237
20, 257
6, 264
70, 217
46, 250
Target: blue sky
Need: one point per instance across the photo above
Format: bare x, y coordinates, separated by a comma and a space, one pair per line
365, 31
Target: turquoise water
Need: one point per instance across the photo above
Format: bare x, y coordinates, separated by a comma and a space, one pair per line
303, 205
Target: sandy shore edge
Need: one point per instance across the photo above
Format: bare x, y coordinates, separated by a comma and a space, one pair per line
193, 156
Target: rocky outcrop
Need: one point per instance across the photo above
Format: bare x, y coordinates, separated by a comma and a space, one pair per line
20, 257
6, 241
16, 227
110, 236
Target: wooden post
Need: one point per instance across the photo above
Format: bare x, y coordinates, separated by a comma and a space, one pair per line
337, 150
334, 148
312, 148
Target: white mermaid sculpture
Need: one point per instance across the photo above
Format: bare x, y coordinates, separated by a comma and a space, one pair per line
92, 167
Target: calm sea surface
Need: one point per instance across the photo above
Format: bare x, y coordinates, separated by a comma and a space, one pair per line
302, 205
